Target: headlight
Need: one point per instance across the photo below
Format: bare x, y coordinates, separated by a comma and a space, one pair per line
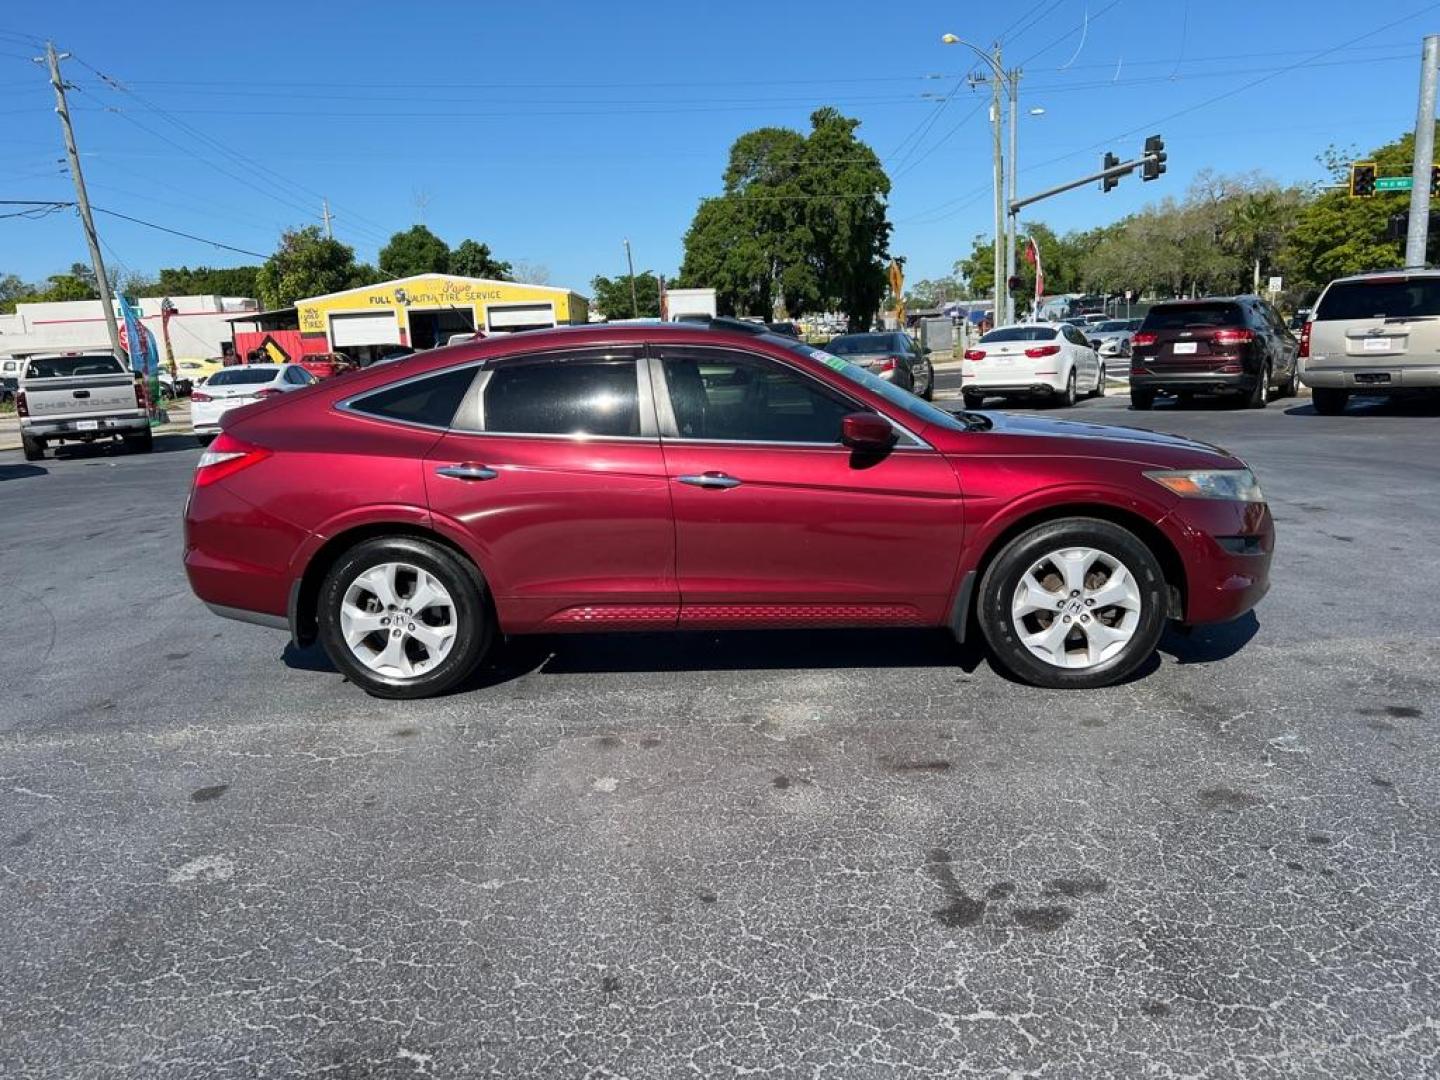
1232, 485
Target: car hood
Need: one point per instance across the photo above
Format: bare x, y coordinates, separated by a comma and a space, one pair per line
1028, 435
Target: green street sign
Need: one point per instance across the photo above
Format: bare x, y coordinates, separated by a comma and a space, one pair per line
1393, 183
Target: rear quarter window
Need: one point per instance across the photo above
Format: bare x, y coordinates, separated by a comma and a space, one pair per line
431, 401
1393, 298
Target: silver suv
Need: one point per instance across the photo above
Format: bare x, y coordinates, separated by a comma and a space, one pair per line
1373, 333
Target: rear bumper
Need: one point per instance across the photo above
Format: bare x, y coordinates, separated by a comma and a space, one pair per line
122, 424
1018, 383
1195, 382
1365, 379
238, 558
1226, 549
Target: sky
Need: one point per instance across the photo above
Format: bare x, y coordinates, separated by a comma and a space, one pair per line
553, 132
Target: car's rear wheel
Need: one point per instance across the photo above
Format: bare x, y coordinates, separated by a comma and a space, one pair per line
973, 400
1143, 400
204, 440
1099, 390
1328, 401
140, 444
1291, 386
34, 448
1259, 395
403, 617
1067, 399
1073, 604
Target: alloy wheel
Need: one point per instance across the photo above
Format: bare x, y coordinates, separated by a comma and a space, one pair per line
1076, 607
398, 620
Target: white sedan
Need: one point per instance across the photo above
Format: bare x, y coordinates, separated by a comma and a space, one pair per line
1049, 360
233, 387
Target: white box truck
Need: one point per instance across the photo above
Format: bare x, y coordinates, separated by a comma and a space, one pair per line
682, 304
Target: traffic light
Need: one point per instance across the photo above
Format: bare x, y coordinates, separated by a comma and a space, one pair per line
1362, 180
1154, 158
1109, 182
1014, 282
1434, 180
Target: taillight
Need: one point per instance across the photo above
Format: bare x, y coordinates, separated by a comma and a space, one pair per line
974, 354
22, 407
1037, 351
1143, 338
1305, 340
226, 456
140, 402
196, 395
1233, 337
269, 391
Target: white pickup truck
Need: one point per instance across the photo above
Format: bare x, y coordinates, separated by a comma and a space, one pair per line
80, 397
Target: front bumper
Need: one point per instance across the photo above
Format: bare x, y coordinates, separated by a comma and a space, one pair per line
123, 424
1370, 378
1226, 548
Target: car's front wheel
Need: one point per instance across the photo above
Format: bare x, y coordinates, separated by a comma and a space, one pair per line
403, 617
1073, 604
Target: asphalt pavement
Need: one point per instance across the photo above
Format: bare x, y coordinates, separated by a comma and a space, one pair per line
784, 854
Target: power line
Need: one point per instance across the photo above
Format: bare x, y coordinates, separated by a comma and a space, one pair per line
56, 204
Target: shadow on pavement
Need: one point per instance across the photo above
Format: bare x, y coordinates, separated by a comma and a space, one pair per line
1205, 644
20, 472
163, 444
1385, 405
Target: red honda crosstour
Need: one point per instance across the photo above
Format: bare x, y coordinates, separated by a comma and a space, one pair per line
691, 476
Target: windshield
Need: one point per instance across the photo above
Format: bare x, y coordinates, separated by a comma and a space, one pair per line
1387, 298
1179, 316
920, 409
856, 344
65, 367
1020, 333
241, 376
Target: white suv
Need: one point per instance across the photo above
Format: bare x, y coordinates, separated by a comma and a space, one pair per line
1373, 333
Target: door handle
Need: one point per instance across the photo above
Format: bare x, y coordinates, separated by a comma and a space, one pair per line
467, 472
710, 480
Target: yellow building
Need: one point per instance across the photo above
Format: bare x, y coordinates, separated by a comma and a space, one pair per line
424, 311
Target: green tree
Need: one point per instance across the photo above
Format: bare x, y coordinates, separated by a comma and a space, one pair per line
471, 259
59, 287
932, 293
208, 281
12, 291
417, 250
611, 296
306, 264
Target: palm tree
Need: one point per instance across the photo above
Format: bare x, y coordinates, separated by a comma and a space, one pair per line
1255, 225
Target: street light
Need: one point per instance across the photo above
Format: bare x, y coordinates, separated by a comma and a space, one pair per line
1004, 244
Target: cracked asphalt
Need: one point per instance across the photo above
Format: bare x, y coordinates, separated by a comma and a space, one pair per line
790, 855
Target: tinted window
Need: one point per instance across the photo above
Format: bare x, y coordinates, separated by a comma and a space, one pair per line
743, 399
242, 376
1182, 316
431, 401
563, 397
1020, 333
63, 367
856, 344
1389, 298
1111, 326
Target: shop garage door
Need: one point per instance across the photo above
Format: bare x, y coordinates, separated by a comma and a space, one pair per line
369, 328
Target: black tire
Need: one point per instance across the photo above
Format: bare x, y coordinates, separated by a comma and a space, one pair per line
1291, 386
1068, 398
1099, 390
204, 440
1259, 395
973, 401
1143, 400
929, 394
140, 444
1002, 579
34, 448
1328, 401
475, 627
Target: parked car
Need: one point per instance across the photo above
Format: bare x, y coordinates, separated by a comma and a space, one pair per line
324, 365
1372, 334
171, 387
893, 356
719, 477
1048, 360
237, 386
1112, 339
8, 385
788, 329
80, 397
1298, 320
1230, 345
195, 369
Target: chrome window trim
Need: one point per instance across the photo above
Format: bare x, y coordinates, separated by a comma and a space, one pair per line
667, 412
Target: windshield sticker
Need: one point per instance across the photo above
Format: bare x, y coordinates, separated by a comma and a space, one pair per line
830, 360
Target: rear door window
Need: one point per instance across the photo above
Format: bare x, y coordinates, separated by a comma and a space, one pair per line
564, 395
1387, 298
1194, 316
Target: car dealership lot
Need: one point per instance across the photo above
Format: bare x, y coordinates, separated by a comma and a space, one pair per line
832, 853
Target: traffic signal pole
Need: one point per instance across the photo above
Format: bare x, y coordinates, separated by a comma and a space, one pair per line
1420, 185
1120, 169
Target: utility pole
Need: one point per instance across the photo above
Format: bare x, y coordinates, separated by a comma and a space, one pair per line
325, 213
1424, 154
1001, 286
82, 200
1014, 77
634, 296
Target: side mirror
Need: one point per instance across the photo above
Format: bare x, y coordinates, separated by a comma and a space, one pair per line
867, 431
